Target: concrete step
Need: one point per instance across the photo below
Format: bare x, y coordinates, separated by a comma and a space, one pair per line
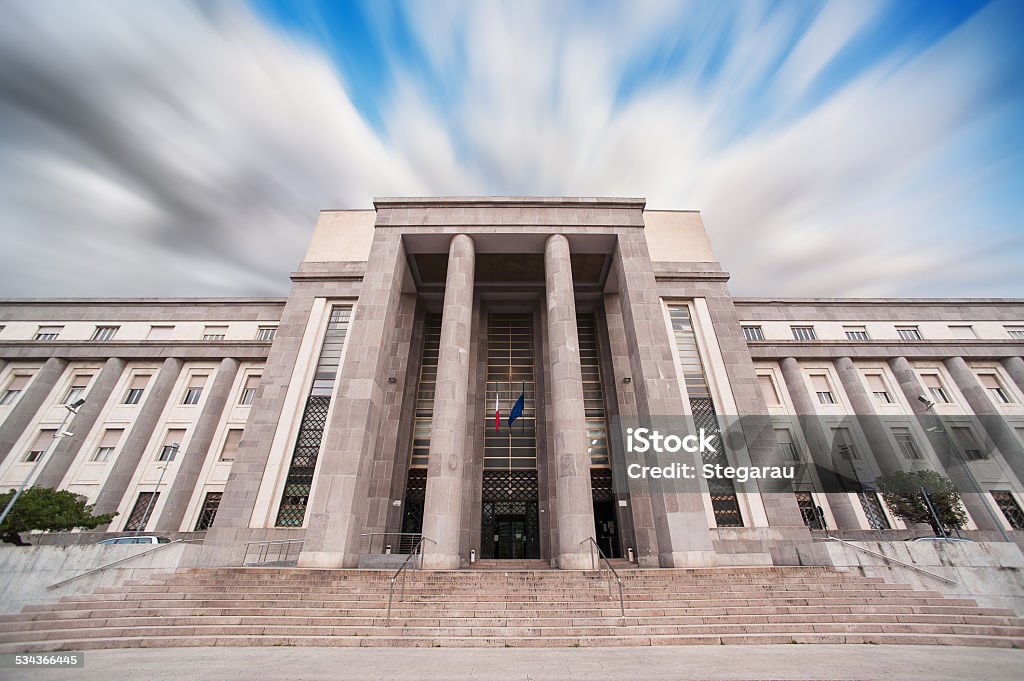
509, 642
524, 607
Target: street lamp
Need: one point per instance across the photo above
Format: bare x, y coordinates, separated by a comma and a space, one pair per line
941, 429
62, 431
152, 497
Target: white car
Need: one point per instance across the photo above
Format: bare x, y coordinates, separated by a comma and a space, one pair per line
142, 539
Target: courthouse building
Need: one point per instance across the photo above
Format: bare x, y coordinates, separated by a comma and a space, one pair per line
358, 414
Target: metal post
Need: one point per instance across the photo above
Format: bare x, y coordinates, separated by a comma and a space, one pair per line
152, 497
61, 432
931, 510
941, 428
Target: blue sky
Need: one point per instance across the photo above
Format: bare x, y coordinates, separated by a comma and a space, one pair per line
857, 148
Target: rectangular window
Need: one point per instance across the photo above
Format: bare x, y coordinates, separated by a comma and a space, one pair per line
266, 333
803, 333
1016, 332
785, 438
172, 442
822, 389
934, 385
104, 333
968, 444
215, 333
48, 333
195, 389
995, 390
227, 452
724, 501
423, 423
136, 389
108, 443
809, 510
209, 511
906, 444
249, 390
962, 331
160, 332
79, 384
143, 508
771, 395
38, 448
753, 333
593, 392
14, 388
878, 389
855, 333
299, 480
908, 332
1010, 508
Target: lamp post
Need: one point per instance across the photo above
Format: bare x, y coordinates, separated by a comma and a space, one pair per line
61, 432
149, 506
941, 429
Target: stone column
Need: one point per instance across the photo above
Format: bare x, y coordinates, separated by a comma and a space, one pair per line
341, 491
29, 403
190, 464
442, 507
640, 506
574, 503
1013, 365
943, 446
138, 438
63, 454
870, 422
991, 418
818, 443
677, 507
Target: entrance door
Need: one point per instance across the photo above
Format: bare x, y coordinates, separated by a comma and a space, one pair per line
606, 529
510, 536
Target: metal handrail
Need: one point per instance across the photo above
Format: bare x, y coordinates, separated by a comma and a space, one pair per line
403, 539
267, 543
125, 560
416, 551
622, 603
888, 558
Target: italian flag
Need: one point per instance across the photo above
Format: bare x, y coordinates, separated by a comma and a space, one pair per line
497, 413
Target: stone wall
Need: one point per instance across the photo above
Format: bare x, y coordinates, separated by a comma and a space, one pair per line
992, 573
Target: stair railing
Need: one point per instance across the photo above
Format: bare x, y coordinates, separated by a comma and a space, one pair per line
416, 552
94, 570
611, 572
887, 558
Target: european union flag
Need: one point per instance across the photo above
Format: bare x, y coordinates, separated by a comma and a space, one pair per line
517, 409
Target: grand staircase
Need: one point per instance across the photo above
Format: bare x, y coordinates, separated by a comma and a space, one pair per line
546, 608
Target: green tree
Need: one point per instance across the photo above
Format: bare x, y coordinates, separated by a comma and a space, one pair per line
903, 493
42, 508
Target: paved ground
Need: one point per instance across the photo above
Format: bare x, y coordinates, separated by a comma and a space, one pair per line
822, 662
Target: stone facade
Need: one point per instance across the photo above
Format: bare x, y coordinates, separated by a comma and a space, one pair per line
379, 446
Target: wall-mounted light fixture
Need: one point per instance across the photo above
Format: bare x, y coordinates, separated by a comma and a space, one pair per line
627, 379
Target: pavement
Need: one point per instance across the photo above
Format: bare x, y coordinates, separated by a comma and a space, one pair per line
687, 663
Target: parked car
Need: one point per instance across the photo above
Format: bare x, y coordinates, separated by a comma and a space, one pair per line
943, 539
141, 539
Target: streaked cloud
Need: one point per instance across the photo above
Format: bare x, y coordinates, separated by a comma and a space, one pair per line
167, 148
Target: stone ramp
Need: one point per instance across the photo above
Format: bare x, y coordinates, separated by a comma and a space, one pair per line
515, 608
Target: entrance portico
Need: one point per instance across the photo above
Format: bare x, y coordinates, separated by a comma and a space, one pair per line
465, 305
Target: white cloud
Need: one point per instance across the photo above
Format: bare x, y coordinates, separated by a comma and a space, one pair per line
171, 148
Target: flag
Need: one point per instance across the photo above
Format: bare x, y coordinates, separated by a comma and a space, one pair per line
497, 413
517, 408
